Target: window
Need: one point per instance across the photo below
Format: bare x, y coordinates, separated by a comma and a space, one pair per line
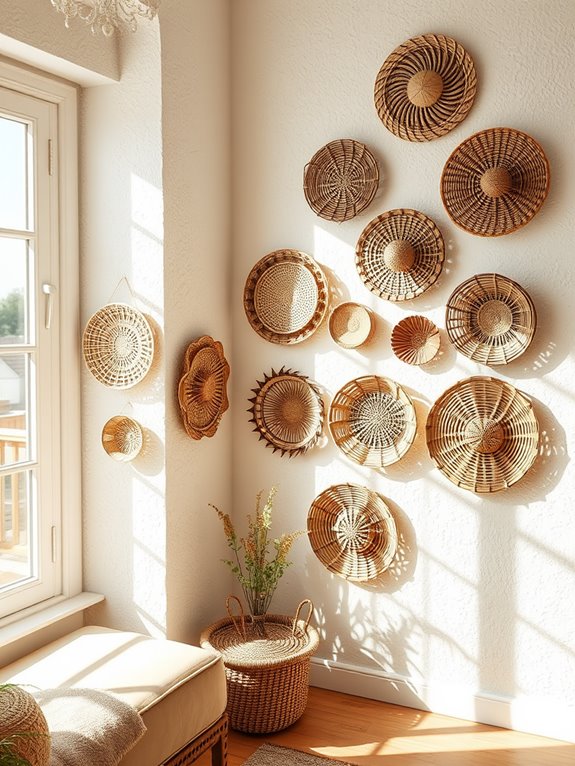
39, 378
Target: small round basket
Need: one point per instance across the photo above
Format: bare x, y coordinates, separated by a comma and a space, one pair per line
122, 438
19, 712
351, 325
372, 420
482, 434
341, 180
415, 340
352, 532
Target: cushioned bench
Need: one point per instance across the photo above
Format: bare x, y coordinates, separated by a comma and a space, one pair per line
179, 690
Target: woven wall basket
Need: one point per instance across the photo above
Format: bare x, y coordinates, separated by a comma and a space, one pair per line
118, 345
490, 319
482, 434
122, 438
415, 340
288, 412
285, 296
372, 420
351, 325
400, 254
341, 180
425, 88
202, 390
19, 712
495, 182
352, 532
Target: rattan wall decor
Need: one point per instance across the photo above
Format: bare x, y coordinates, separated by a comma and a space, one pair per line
202, 390
118, 345
287, 411
351, 324
415, 340
372, 420
286, 296
122, 438
425, 87
482, 434
352, 532
400, 254
495, 182
341, 180
490, 318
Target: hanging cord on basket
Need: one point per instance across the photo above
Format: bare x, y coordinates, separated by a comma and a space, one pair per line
122, 279
303, 603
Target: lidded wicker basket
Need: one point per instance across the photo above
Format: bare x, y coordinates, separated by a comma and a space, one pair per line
122, 438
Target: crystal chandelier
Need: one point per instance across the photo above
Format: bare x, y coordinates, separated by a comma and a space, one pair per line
108, 15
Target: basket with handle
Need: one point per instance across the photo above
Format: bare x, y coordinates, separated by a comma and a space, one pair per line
267, 666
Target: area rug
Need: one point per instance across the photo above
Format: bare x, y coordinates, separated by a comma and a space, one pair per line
274, 755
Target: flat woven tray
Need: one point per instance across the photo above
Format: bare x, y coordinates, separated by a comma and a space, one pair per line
285, 296
372, 420
495, 182
482, 434
490, 319
352, 532
400, 254
425, 88
351, 324
415, 340
341, 180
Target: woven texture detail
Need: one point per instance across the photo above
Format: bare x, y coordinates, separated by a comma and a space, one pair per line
20, 713
415, 340
351, 325
122, 438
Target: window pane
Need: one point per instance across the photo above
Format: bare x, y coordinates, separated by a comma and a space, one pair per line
14, 377
13, 290
13, 187
17, 557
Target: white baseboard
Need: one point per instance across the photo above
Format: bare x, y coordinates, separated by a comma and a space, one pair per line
529, 714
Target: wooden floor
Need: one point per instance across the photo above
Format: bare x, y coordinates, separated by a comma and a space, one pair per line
370, 733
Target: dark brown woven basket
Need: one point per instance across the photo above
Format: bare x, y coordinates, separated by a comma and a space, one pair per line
341, 180
495, 182
425, 88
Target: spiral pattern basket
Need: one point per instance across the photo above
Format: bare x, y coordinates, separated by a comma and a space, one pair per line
351, 325
425, 88
415, 340
122, 438
287, 411
482, 434
495, 182
341, 180
372, 420
285, 296
490, 318
118, 345
352, 532
400, 254
19, 712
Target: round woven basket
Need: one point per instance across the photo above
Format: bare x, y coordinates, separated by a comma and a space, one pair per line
425, 88
285, 296
118, 345
287, 411
415, 340
19, 712
372, 420
122, 438
490, 319
341, 180
352, 532
482, 434
351, 325
400, 254
495, 182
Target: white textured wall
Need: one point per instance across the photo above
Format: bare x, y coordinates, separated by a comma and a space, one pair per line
482, 597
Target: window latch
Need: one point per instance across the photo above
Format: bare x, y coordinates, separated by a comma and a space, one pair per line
48, 291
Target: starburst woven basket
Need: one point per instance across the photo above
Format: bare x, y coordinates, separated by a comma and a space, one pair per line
351, 324
352, 532
415, 340
491, 319
400, 254
122, 438
372, 420
341, 180
425, 88
482, 433
495, 182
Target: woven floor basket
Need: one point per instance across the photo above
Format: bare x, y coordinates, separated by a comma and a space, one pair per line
19, 712
267, 675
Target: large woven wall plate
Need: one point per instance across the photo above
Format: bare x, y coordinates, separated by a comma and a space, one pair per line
341, 180
482, 434
202, 390
425, 88
352, 532
287, 411
490, 319
400, 254
372, 420
495, 182
118, 345
286, 296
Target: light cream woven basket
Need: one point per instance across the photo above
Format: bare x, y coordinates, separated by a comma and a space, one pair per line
351, 325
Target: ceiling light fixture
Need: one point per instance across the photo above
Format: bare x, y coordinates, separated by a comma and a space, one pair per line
108, 15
